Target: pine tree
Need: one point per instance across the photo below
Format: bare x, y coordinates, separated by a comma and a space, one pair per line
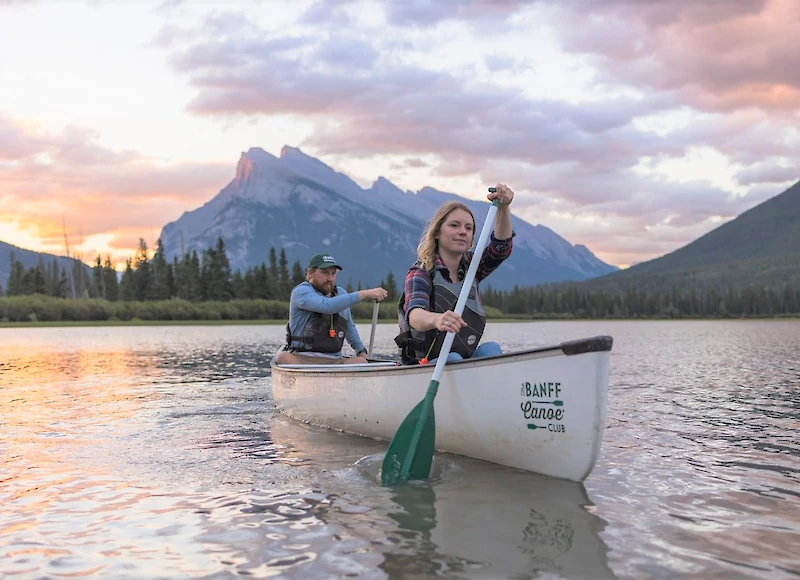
298, 275
262, 283
273, 279
224, 269
80, 278
159, 288
142, 272
391, 287
215, 273
238, 286
16, 277
127, 286
98, 279
110, 281
283, 275
59, 284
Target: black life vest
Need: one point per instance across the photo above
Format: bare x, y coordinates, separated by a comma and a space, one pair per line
322, 333
416, 345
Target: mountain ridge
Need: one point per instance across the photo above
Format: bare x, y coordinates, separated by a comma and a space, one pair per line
760, 246
311, 208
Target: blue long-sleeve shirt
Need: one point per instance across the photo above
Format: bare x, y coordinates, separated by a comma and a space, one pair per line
305, 301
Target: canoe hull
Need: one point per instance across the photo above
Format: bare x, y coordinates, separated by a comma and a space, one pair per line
540, 410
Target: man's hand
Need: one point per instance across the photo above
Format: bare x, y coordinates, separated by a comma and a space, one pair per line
373, 294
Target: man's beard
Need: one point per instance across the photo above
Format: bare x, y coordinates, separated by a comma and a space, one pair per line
325, 288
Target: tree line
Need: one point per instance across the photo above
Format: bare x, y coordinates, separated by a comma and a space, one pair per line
193, 277
671, 302
207, 278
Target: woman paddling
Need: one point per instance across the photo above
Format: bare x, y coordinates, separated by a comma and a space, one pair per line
425, 309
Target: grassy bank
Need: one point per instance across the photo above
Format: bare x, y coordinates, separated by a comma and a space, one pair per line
39, 310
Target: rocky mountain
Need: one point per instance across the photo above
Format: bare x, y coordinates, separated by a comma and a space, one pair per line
298, 203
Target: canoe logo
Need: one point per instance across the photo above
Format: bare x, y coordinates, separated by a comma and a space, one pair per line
341, 334
541, 403
472, 339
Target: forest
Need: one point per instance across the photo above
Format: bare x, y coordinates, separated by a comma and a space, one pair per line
203, 287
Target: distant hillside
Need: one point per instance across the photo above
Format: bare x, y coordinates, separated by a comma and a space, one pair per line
760, 247
28, 258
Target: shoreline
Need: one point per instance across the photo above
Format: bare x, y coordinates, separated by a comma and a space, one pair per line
273, 322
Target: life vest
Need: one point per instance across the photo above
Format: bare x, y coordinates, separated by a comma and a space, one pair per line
322, 333
416, 345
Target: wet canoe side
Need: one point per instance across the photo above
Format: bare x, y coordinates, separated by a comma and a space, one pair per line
540, 410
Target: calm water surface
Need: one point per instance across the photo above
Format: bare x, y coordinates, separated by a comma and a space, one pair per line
156, 453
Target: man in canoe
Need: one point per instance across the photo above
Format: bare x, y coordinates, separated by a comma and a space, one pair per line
320, 319
425, 309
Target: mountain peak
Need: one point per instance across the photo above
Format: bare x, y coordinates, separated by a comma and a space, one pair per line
257, 154
289, 152
383, 186
298, 203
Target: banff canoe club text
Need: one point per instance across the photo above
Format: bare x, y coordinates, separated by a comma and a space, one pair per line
543, 406
541, 390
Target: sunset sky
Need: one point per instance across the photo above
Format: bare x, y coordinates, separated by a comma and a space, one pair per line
631, 126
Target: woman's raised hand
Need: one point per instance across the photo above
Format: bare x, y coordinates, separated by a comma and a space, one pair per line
502, 193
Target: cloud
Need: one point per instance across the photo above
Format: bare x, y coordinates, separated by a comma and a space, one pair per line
17, 140
405, 109
593, 115
414, 163
328, 14
717, 55
724, 68
429, 13
771, 171
68, 179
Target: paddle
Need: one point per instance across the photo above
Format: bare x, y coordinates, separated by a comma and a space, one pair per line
411, 451
375, 310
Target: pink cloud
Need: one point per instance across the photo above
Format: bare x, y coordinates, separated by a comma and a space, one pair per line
68, 178
718, 55
730, 64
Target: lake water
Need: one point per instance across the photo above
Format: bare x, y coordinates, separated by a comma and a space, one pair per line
155, 452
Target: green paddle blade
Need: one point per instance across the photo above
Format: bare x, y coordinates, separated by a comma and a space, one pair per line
402, 445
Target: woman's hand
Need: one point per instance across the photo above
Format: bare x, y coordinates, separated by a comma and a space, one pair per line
502, 193
450, 322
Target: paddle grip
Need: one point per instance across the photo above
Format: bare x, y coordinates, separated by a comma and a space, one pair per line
492, 189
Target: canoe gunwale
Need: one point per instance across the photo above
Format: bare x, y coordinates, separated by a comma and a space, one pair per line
569, 348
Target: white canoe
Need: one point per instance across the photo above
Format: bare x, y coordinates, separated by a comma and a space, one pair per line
541, 410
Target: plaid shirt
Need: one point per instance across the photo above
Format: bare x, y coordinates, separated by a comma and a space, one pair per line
418, 282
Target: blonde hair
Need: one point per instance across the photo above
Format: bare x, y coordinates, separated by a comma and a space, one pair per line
428, 244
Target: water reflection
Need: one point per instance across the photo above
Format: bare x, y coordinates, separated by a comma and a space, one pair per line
472, 519
156, 452
501, 524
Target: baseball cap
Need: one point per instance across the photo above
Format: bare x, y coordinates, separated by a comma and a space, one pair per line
322, 261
